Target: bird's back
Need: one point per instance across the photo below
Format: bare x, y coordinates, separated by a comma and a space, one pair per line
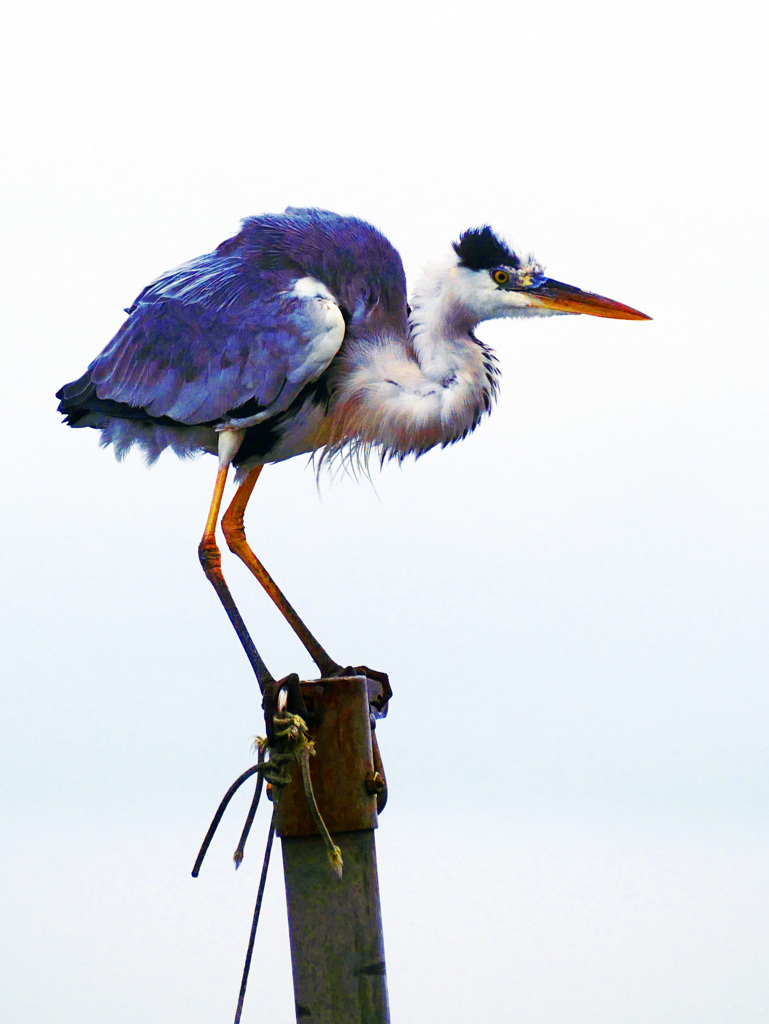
354, 260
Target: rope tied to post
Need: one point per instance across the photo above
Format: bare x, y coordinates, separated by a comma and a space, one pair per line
291, 742
292, 729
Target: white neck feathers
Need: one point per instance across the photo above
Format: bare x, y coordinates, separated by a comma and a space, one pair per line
405, 395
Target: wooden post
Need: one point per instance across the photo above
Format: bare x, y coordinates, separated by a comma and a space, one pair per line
335, 925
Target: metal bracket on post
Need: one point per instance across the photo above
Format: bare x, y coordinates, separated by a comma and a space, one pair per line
335, 925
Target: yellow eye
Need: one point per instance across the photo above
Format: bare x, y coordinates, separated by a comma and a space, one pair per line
501, 276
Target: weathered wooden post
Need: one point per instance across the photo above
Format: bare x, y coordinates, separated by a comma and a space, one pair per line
335, 925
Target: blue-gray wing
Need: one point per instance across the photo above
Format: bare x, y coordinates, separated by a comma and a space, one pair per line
218, 338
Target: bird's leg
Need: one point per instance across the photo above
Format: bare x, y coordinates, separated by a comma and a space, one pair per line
211, 560
235, 535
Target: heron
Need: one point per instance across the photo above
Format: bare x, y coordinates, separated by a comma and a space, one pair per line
296, 337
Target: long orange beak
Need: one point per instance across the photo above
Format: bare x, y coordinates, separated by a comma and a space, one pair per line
565, 298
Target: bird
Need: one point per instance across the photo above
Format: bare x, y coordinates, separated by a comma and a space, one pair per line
296, 337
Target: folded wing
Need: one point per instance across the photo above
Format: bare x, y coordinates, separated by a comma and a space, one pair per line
213, 340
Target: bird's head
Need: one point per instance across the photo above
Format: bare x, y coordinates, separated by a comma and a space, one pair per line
493, 281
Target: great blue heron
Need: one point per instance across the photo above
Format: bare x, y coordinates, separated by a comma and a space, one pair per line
296, 336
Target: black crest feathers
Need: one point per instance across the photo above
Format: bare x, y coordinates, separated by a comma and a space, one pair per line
480, 249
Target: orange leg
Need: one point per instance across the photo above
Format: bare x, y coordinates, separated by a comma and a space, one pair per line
211, 560
235, 535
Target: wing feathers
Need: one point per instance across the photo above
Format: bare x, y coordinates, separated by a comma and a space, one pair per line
193, 348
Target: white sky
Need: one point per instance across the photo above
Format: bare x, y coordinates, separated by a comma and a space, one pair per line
571, 604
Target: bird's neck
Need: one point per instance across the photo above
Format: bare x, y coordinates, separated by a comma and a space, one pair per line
405, 394
442, 321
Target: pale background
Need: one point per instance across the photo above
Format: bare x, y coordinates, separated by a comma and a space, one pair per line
571, 604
